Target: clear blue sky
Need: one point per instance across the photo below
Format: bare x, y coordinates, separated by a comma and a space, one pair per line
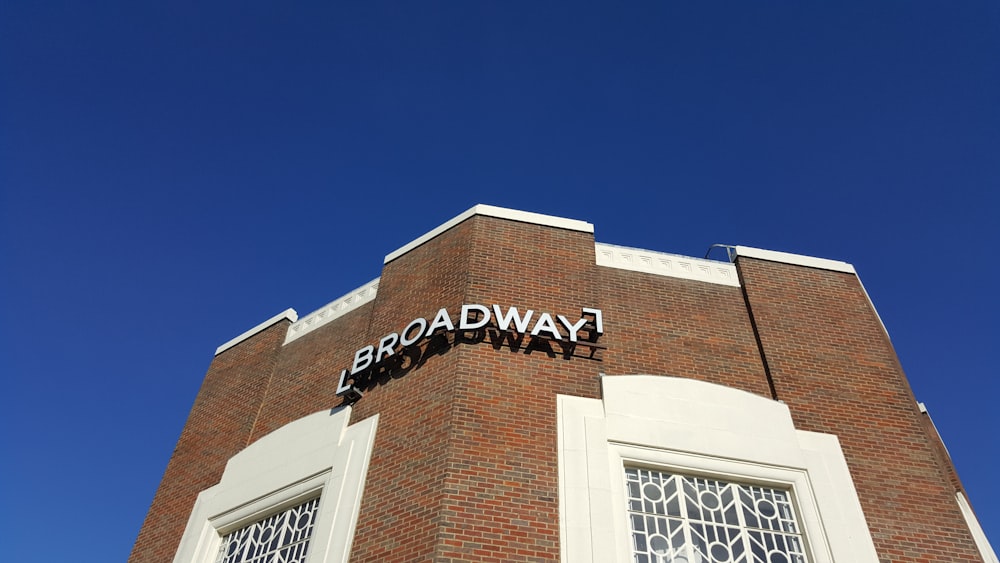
172, 174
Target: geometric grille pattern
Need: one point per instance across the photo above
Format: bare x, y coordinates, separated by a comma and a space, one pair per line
679, 519
280, 538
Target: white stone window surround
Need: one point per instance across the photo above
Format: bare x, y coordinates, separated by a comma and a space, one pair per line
317, 455
700, 429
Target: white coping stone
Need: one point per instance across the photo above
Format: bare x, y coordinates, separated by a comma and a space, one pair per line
664, 264
289, 314
795, 259
499, 212
333, 310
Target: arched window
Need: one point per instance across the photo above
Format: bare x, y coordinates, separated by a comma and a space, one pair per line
673, 470
292, 496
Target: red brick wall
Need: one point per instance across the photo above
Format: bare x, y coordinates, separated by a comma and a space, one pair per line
944, 458
834, 367
464, 465
218, 427
401, 509
305, 379
669, 326
501, 488
465, 457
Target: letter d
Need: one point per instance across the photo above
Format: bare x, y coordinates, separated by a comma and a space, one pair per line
465, 324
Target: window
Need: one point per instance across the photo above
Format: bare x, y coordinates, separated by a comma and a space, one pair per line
292, 496
673, 470
279, 538
681, 519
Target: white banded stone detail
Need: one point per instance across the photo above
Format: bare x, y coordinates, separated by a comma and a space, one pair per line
662, 264
333, 310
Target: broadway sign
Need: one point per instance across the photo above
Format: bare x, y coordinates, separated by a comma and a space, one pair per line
398, 352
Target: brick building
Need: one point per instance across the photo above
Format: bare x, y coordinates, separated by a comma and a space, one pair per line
510, 390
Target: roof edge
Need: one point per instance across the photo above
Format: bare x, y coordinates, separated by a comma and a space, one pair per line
289, 314
795, 259
498, 212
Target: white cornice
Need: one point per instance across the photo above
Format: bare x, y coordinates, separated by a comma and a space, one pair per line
795, 259
499, 212
334, 309
663, 264
289, 314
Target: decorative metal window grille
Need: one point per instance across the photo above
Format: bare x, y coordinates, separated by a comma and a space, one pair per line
280, 538
679, 519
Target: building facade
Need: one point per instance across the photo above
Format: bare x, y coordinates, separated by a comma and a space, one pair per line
510, 390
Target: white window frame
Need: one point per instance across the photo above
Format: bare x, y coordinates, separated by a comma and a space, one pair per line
318, 455
701, 429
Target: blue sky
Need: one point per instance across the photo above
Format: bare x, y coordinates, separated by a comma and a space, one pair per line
171, 175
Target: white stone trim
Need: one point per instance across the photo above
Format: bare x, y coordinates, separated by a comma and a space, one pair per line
499, 212
703, 429
289, 314
318, 455
985, 549
586, 523
332, 310
795, 259
663, 264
